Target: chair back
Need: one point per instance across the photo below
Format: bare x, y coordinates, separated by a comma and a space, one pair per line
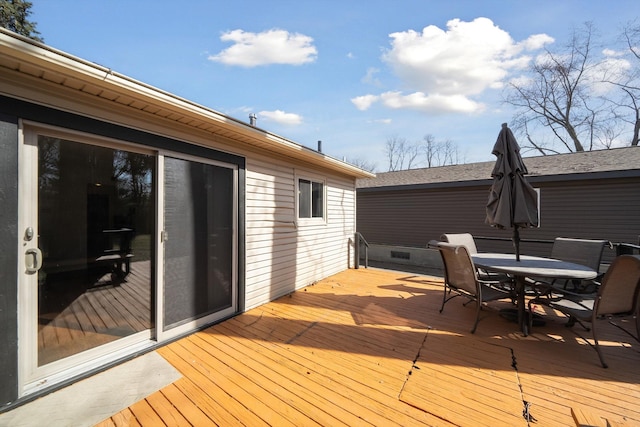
465, 239
618, 293
459, 270
579, 251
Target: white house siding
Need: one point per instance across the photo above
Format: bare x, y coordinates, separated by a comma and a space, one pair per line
282, 255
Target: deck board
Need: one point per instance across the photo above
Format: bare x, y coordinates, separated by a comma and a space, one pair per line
346, 381
350, 349
166, 411
297, 394
434, 384
205, 394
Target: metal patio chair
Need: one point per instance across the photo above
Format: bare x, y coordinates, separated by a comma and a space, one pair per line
466, 239
578, 251
617, 297
461, 279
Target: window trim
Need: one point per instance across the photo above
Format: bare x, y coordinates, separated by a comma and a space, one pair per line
310, 220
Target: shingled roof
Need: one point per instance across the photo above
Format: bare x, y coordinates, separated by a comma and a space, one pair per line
616, 162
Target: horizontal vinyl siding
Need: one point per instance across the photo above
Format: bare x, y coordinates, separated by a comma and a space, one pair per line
598, 209
281, 254
590, 209
413, 218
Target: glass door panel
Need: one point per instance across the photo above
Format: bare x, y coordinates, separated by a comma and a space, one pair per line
95, 223
199, 224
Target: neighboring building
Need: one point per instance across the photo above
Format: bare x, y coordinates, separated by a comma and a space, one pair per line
129, 217
592, 194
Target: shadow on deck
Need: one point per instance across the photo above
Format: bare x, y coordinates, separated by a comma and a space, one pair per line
369, 347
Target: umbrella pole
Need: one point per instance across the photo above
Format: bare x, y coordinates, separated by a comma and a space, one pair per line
516, 241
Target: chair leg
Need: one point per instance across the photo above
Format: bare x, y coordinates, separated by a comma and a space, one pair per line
530, 315
478, 308
572, 321
444, 298
597, 345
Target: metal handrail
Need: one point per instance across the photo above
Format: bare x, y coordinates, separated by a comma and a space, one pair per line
359, 239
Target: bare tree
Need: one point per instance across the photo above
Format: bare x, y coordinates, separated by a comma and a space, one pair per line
557, 95
624, 101
397, 151
631, 86
393, 150
413, 156
404, 155
361, 163
439, 153
450, 153
430, 149
635, 117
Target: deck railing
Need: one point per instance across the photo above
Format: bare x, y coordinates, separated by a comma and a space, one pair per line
361, 241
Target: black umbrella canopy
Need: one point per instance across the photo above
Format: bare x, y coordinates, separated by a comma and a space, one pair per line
513, 203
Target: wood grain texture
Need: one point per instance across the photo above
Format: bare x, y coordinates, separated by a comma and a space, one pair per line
350, 349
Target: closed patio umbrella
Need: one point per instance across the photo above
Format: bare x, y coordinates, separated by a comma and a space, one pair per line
513, 203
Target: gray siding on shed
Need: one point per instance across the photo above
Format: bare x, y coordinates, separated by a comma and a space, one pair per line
413, 217
585, 208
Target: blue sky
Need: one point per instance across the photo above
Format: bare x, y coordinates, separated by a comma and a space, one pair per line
350, 73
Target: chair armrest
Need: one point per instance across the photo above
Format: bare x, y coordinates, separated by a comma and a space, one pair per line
433, 244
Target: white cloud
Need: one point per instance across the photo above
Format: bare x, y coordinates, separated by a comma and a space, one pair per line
370, 77
611, 52
521, 80
536, 41
611, 69
269, 47
434, 103
445, 69
465, 60
364, 102
281, 117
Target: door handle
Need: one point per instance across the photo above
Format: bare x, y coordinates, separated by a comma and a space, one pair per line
33, 260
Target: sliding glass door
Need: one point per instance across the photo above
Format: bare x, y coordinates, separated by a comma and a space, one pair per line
88, 230
199, 241
121, 247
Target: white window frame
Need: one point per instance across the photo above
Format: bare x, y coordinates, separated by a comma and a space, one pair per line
311, 220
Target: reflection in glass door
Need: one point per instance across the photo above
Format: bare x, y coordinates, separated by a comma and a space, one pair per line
95, 224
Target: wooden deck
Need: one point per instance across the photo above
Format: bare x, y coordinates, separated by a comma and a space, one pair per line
369, 348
